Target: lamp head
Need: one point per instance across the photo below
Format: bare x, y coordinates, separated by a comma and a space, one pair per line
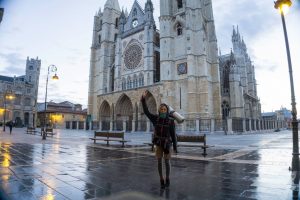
283, 5
55, 77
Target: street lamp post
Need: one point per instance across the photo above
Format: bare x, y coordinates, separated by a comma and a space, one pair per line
283, 5
7, 95
51, 68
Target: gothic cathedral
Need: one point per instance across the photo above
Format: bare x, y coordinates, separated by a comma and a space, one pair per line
177, 64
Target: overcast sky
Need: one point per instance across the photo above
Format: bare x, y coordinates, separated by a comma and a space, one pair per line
60, 32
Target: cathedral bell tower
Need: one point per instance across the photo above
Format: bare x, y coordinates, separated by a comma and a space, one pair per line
189, 58
105, 32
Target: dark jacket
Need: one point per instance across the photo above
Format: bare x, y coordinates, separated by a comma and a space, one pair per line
163, 127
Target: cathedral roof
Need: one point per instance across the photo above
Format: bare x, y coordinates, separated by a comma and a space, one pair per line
112, 4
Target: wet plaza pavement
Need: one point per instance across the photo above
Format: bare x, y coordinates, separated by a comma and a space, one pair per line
70, 166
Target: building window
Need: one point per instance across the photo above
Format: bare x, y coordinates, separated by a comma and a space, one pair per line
141, 80
225, 109
100, 25
179, 4
30, 67
99, 39
117, 23
18, 100
134, 12
179, 29
116, 37
123, 84
27, 102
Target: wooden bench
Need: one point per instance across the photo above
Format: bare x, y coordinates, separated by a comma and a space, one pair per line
116, 136
31, 130
194, 139
49, 131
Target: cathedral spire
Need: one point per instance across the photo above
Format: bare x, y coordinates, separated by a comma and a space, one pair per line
149, 13
112, 4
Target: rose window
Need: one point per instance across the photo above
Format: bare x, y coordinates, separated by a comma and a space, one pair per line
133, 56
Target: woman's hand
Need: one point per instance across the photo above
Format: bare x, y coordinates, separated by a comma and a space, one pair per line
144, 94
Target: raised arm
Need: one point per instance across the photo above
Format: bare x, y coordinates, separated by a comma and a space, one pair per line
151, 116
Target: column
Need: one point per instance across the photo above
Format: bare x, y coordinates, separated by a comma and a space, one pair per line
244, 125
229, 126
197, 125
212, 125
133, 125
100, 125
77, 125
148, 126
124, 125
250, 125
111, 125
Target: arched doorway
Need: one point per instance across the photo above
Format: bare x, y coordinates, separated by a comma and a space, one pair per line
26, 119
104, 116
124, 113
141, 124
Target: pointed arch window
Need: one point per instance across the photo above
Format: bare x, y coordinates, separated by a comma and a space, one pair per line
179, 29
129, 83
123, 84
134, 13
179, 4
226, 71
99, 39
135, 82
141, 80
225, 109
100, 27
117, 23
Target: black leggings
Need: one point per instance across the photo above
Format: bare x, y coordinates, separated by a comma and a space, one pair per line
168, 167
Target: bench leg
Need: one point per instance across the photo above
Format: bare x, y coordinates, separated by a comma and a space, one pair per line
123, 144
107, 143
95, 141
152, 147
204, 152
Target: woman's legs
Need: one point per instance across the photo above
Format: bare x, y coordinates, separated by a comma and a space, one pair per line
168, 170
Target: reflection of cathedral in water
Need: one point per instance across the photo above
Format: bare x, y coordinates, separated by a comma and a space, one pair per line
178, 65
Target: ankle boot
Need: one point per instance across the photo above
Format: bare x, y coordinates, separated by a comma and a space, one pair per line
167, 182
162, 184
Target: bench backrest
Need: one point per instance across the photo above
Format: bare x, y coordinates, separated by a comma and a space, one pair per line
191, 138
116, 135
30, 128
49, 130
109, 134
100, 134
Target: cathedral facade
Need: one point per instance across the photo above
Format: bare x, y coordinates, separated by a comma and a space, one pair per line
238, 86
177, 65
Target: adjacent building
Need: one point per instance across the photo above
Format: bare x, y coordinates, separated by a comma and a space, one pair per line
238, 85
1, 14
178, 65
22, 108
63, 115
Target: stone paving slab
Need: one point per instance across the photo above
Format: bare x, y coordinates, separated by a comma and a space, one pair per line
237, 167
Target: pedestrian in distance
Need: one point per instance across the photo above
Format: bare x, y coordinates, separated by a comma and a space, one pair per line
10, 125
164, 137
